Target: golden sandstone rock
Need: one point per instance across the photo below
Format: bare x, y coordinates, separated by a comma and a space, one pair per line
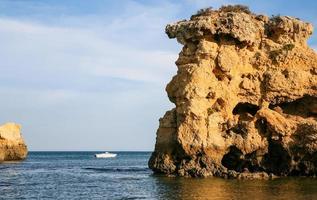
12, 146
245, 96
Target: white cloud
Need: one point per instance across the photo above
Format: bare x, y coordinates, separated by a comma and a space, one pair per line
40, 49
55, 78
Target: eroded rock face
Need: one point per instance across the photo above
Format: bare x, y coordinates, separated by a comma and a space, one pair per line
12, 146
245, 95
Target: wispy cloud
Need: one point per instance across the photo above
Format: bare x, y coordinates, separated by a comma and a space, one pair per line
38, 49
65, 77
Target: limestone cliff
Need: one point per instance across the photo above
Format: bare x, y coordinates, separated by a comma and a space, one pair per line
245, 95
12, 146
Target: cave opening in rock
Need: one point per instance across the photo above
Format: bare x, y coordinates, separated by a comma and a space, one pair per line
277, 160
237, 161
232, 160
242, 108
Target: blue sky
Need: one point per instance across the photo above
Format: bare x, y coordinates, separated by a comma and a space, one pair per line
91, 75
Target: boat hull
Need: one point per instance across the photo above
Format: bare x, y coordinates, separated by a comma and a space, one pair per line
105, 155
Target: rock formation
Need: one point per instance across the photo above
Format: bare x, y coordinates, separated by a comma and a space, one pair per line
245, 96
12, 146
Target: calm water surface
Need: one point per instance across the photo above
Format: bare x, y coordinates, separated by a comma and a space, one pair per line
78, 175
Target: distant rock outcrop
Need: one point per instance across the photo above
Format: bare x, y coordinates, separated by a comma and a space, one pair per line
245, 95
12, 146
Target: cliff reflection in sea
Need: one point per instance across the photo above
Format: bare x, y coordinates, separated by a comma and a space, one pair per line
78, 175
216, 188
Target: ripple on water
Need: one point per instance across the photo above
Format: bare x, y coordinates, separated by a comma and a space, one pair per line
132, 169
56, 175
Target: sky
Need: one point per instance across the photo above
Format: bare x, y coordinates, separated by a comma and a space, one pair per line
91, 75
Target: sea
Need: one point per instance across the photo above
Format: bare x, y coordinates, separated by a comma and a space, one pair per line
79, 175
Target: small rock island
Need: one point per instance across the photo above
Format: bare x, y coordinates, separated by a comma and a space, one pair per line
12, 145
245, 98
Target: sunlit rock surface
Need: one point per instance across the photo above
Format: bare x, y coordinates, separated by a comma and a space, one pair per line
12, 146
245, 98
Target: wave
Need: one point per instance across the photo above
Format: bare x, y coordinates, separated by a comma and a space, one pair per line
130, 169
5, 184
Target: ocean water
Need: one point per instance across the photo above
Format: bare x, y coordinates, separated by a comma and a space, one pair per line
78, 175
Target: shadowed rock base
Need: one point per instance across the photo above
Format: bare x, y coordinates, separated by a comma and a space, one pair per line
12, 146
245, 95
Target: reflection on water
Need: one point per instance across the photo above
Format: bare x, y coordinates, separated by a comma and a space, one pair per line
217, 188
78, 175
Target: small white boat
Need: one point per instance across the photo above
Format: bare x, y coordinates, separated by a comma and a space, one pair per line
105, 155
